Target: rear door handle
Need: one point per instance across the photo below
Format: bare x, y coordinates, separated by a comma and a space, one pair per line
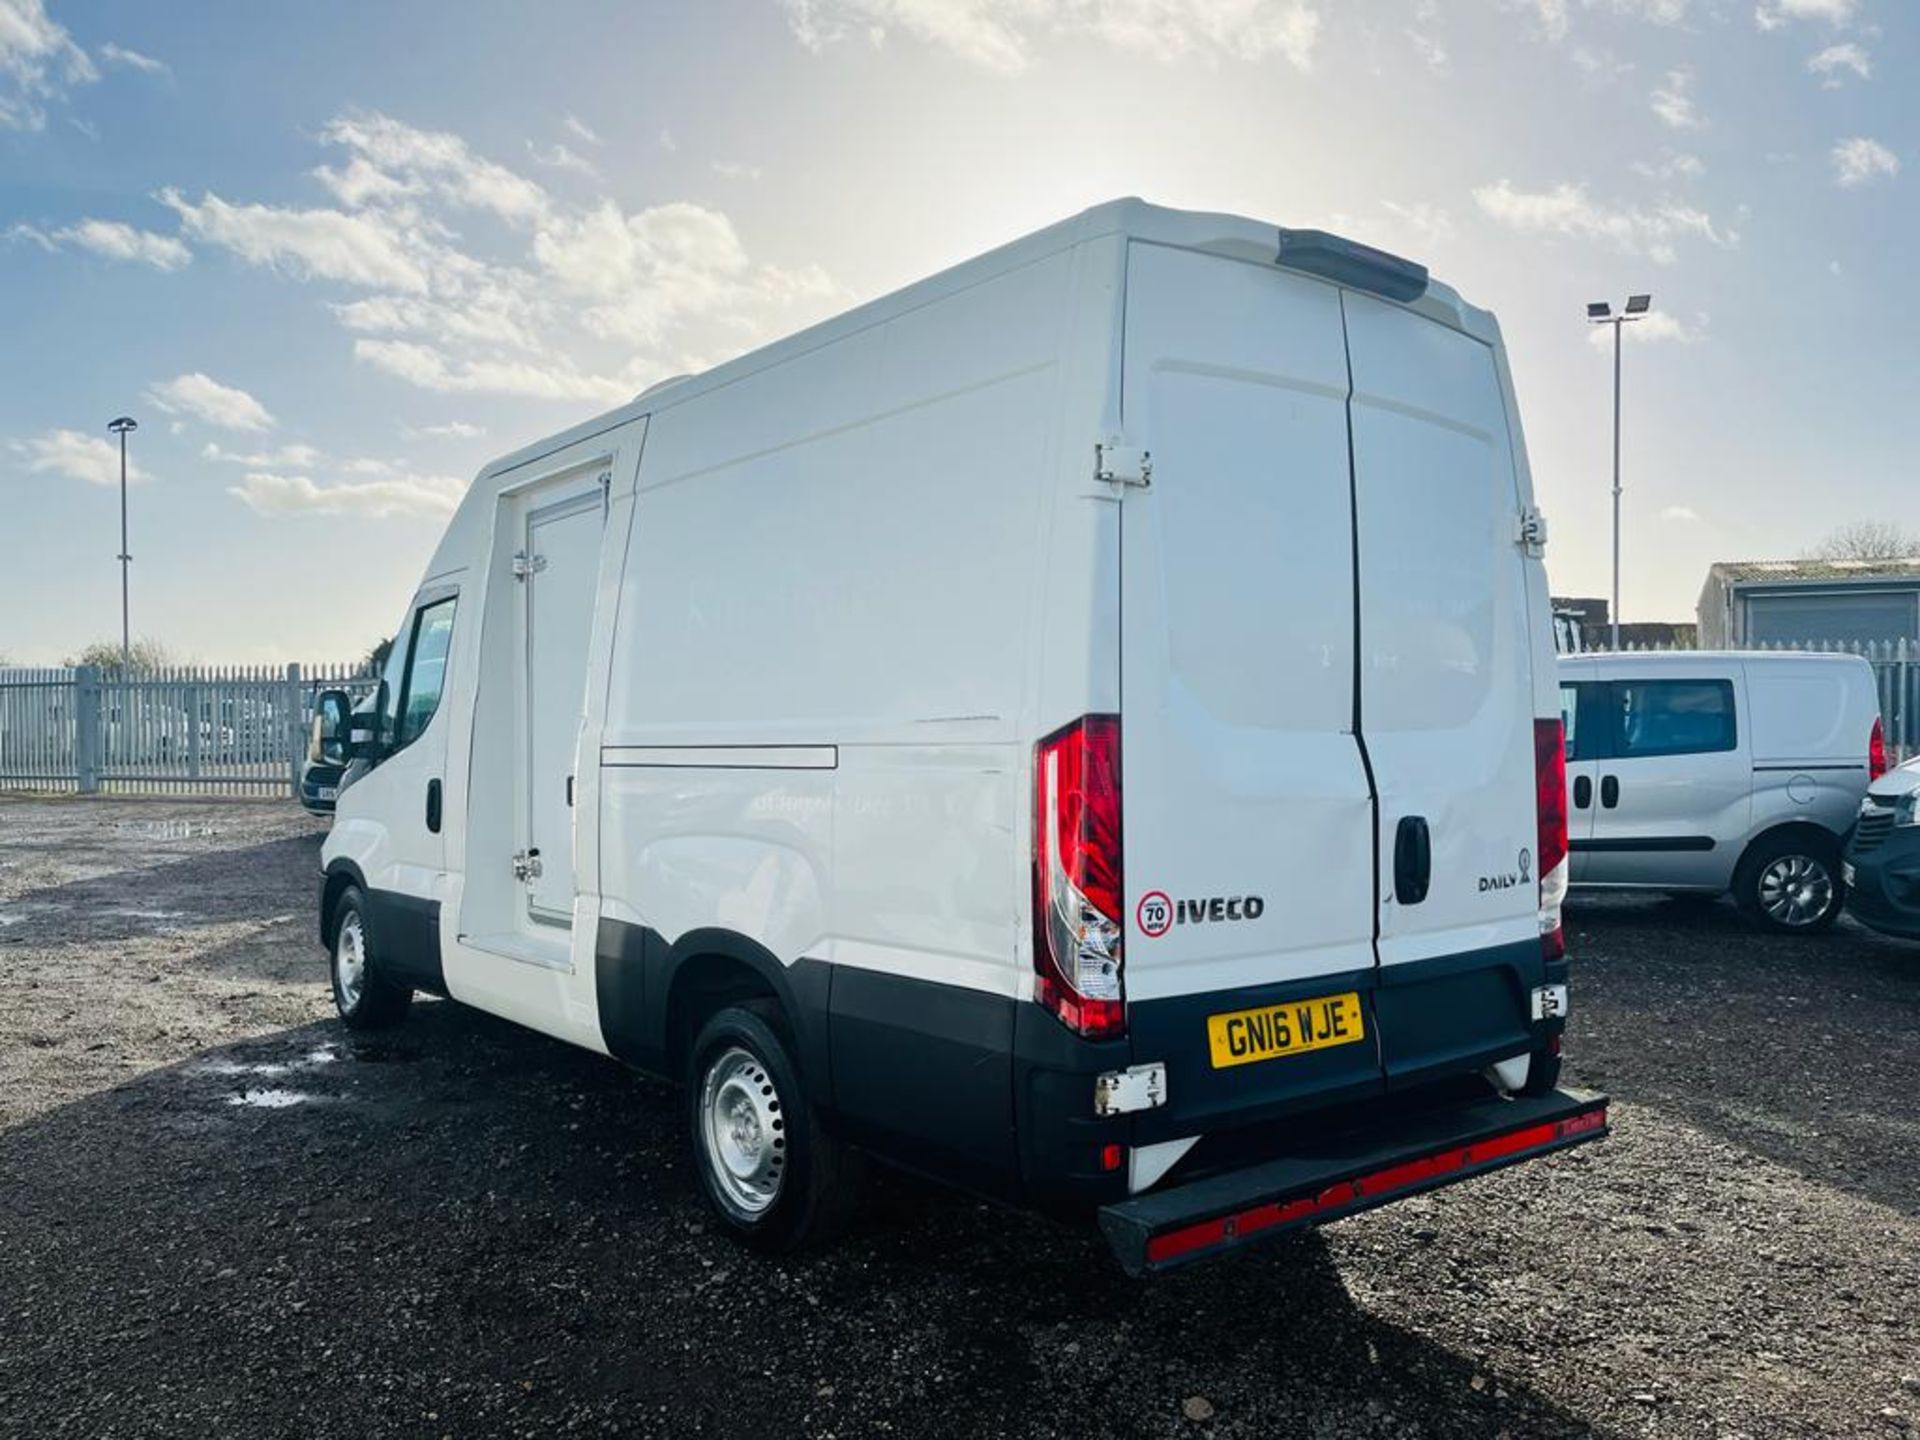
1412, 860
433, 806
1609, 791
1582, 791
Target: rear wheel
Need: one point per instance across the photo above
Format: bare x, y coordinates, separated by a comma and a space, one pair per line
365, 999
1791, 884
775, 1177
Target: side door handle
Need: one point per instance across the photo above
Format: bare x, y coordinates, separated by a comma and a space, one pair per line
433, 805
1412, 860
1609, 791
1582, 791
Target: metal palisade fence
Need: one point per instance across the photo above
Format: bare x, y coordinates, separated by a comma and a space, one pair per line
180, 730
1896, 671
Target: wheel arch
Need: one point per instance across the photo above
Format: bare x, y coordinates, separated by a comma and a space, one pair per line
334, 881
654, 994
1807, 832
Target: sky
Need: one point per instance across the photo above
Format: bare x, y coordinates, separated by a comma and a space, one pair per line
334, 258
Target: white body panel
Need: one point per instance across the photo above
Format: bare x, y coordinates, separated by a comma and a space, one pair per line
1792, 750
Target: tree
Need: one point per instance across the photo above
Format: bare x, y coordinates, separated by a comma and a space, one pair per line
148, 655
376, 660
1866, 540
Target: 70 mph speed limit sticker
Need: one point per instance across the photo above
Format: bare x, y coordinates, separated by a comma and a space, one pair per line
1154, 913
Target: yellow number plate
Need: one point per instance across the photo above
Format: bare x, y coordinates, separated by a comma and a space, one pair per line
1244, 1036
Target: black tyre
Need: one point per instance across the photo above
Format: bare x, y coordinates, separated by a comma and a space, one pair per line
1791, 884
365, 999
775, 1177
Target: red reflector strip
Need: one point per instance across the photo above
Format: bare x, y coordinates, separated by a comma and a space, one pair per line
1173, 1244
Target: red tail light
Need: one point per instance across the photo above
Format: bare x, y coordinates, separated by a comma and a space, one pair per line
1550, 804
1876, 752
1077, 928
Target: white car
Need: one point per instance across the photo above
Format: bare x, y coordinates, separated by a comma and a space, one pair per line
1083, 726
1702, 772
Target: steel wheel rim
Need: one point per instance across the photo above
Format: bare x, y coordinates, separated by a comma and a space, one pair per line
1795, 890
350, 961
742, 1130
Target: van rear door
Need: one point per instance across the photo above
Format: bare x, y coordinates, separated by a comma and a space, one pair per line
1446, 691
1248, 826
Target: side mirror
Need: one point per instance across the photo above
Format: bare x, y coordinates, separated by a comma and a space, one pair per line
333, 741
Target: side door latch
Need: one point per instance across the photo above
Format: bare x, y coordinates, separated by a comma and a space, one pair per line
525, 564
526, 865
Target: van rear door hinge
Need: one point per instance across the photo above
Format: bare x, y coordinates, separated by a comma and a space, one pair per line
525, 564
1119, 463
1530, 531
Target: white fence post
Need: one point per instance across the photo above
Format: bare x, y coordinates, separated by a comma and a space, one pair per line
294, 729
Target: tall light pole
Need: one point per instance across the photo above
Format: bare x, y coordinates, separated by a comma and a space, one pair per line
1599, 312
124, 426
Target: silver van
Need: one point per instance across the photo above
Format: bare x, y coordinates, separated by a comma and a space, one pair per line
1703, 773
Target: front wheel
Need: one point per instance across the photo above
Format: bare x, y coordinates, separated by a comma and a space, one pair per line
775, 1177
1792, 886
364, 998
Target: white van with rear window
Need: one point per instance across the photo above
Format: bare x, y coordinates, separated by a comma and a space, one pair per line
1713, 772
1084, 726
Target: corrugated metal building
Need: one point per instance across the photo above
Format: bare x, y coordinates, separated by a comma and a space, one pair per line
1774, 602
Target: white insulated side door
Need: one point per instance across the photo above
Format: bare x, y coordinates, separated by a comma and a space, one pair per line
1445, 648
563, 568
1248, 821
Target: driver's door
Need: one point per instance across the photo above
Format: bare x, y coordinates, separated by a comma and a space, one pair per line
406, 793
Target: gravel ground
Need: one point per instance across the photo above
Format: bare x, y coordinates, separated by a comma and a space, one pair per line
222, 1216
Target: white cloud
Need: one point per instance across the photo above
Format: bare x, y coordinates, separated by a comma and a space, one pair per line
1567, 209
1772, 14
1671, 165
1685, 514
440, 160
999, 34
735, 170
1673, 102
360, 182
667, 142
1829, 62
207, 399
452, 430
114, 54
295, 456
1427, 223
1653, 328
92, 458
38, 61
118, 241
429, 497
571, 302
431, 369
322, 244
1859, 160
580, 130
559, 157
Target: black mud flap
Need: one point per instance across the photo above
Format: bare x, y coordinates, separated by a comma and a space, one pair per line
1343, 1174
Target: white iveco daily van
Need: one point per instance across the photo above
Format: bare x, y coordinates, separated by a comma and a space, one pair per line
1084, 726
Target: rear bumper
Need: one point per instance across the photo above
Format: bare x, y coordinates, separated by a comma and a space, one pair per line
1343, 1174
